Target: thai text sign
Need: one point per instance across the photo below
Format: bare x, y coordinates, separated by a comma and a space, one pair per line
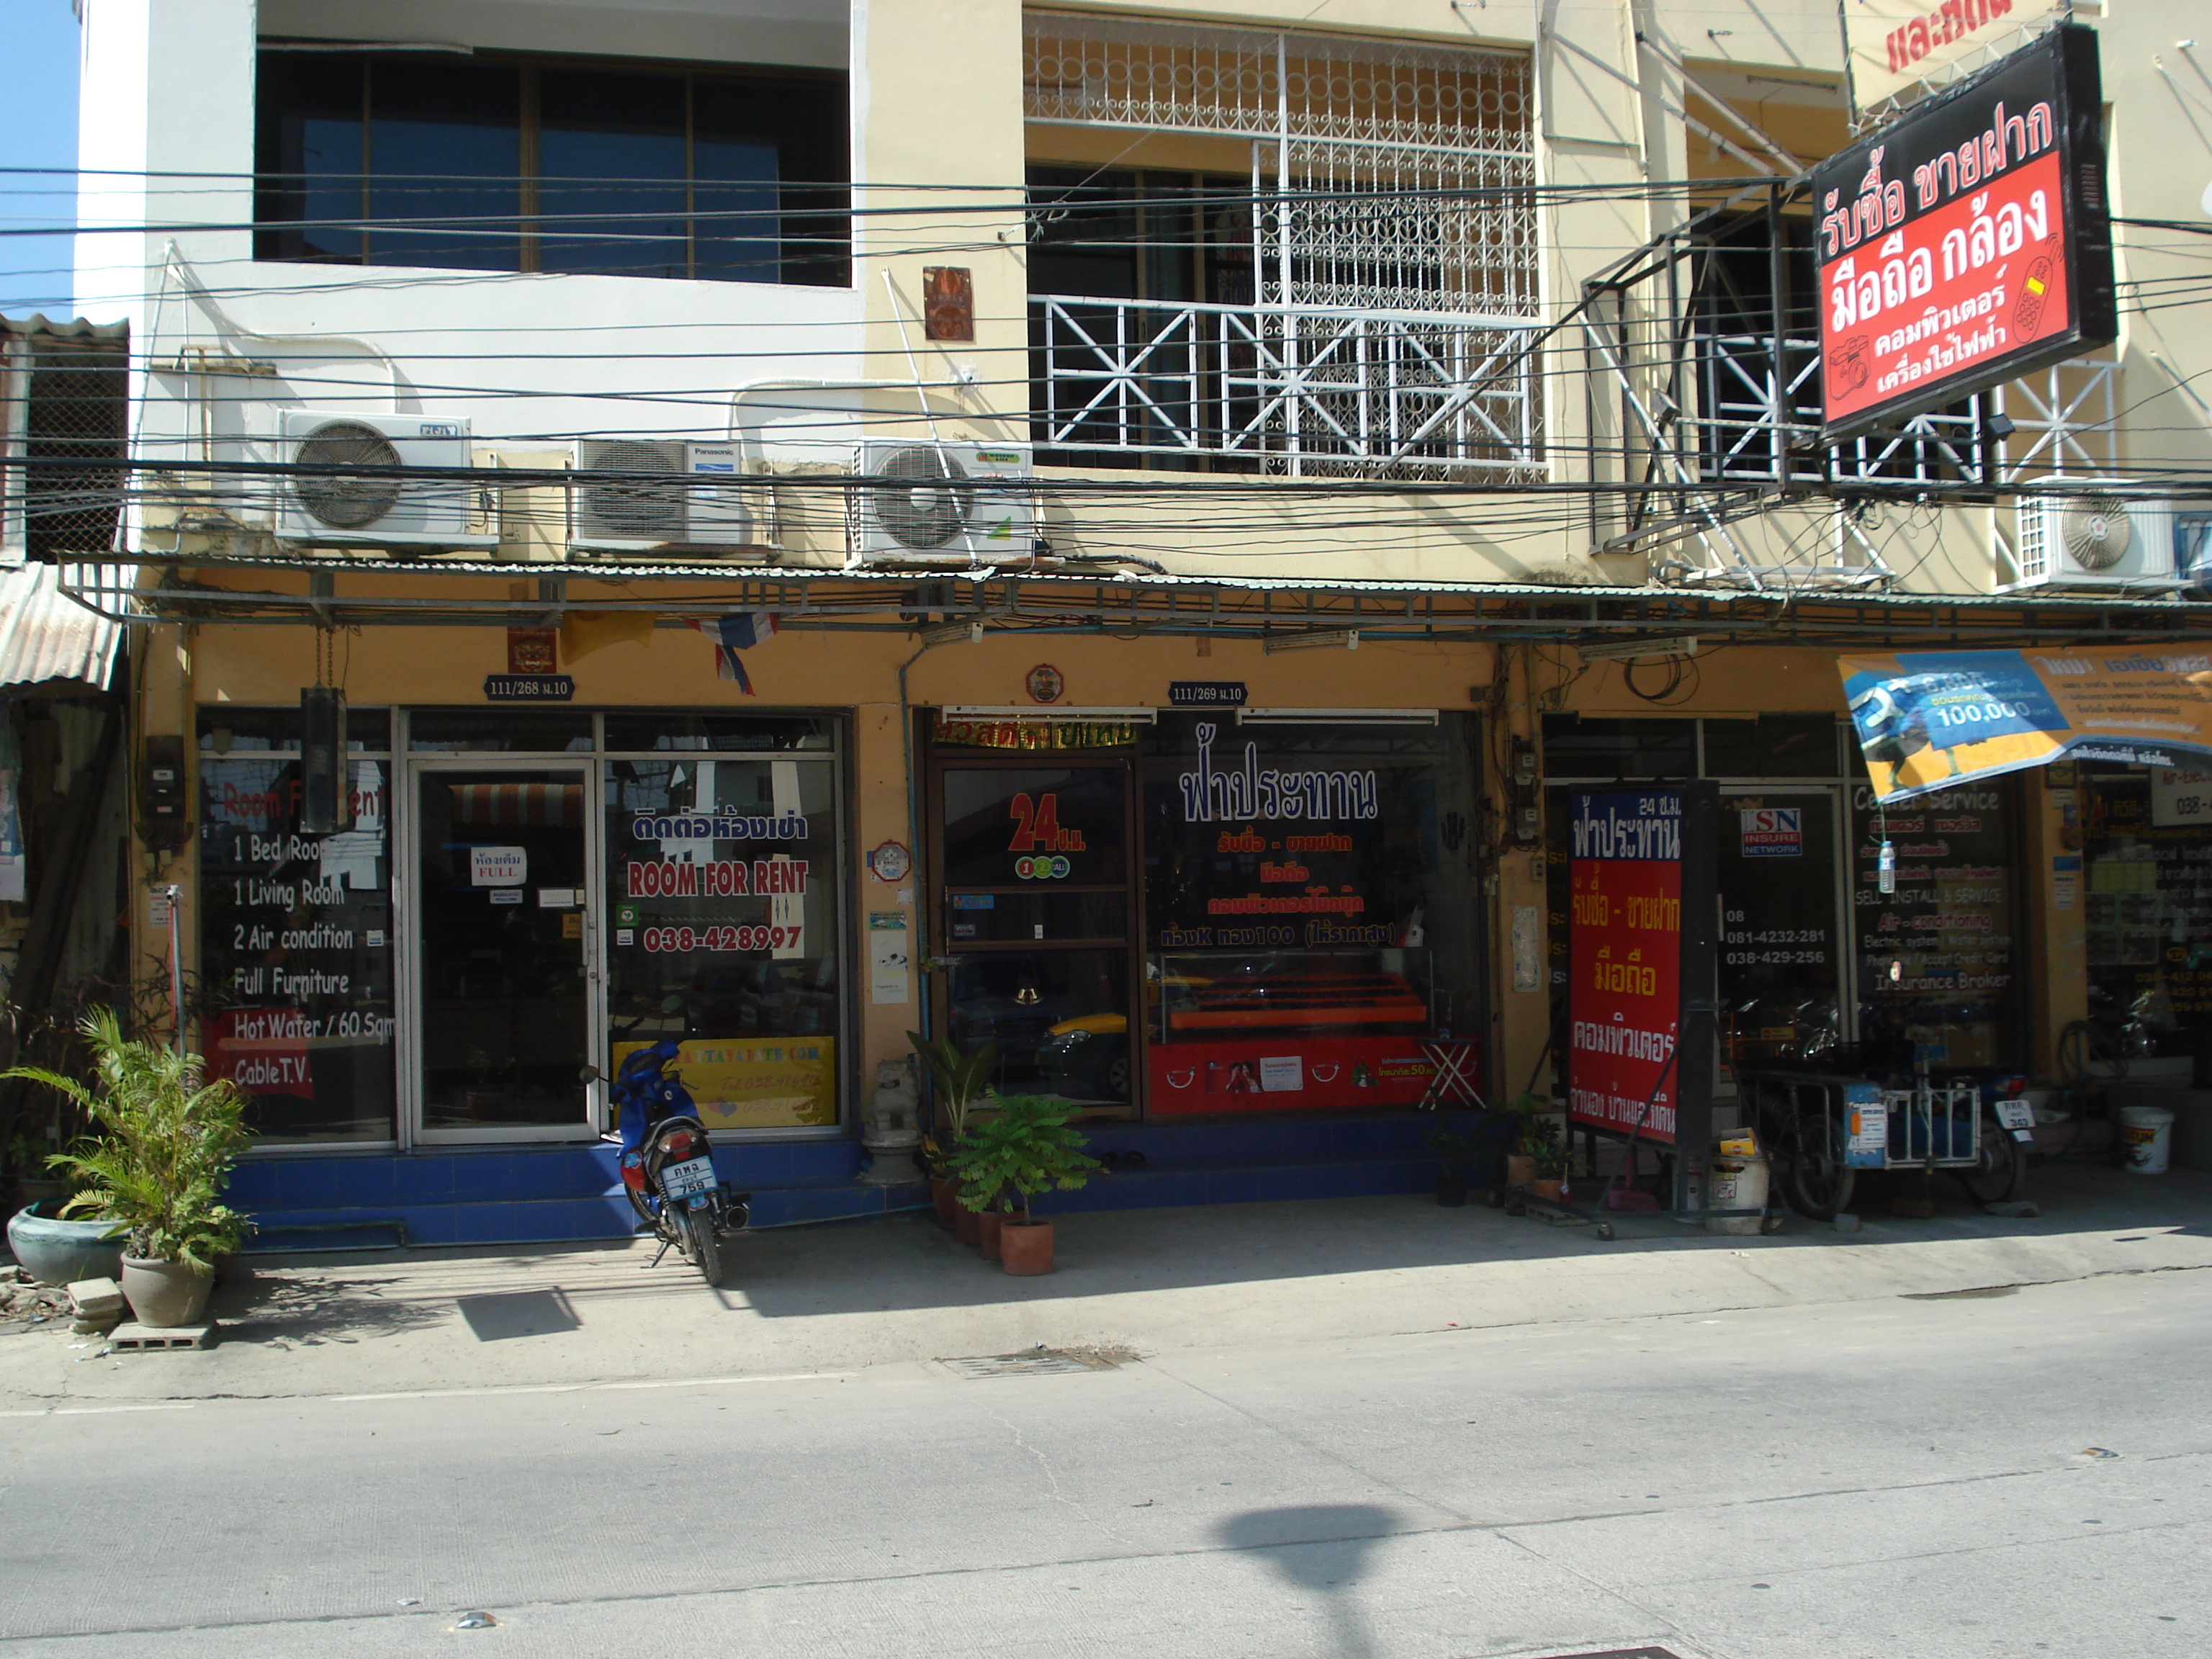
1928, 720
1967, 242
1894, 44
1626, 960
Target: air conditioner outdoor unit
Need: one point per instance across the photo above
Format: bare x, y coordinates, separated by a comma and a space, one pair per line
2094, 537
380, 507
949, 503
662, 494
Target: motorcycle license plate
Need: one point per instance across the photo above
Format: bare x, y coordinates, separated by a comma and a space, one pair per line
2019, 1116
692, 1177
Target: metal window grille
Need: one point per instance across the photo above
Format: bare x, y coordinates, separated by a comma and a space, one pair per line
1388, 179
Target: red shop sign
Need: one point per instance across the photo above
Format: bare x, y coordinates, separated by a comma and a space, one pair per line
1967, 242
1625, 961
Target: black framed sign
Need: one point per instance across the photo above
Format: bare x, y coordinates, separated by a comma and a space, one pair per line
1967, 242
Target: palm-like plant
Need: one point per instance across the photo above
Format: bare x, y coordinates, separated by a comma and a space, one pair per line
167, 1140
957, 1082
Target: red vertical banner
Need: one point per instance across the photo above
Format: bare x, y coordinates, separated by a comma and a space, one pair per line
1625, 961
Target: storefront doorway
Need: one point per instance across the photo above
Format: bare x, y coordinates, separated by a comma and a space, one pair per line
503, 919
1783, 967
1034, 872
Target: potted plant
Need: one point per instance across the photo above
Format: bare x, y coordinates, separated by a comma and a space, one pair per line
164, 1144
1546, 1149
1026, 1147
1455, 1156
1536, 1127
957, 1082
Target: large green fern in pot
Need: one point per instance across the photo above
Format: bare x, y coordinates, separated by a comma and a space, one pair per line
165, 1143
1024, 1148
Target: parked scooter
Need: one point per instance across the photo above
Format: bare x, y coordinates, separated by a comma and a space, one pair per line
667, 1164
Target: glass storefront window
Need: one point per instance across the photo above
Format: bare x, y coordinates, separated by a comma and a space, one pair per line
650, 733
296, 945
1310, 911
1771, 746
230, 730
495, 731
723, 885
2147, 912
1576, 746
1938, 982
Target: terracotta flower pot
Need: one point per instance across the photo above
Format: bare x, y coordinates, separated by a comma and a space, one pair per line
967, 1225
944, 1198
987, 1235
1025, 1247
163, 1294
1552, 1189
1520, 1169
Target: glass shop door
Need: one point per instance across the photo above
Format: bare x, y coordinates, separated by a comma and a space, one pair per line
502, 914
1036, 909
1784, 988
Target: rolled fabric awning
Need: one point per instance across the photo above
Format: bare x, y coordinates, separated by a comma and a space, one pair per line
518, 803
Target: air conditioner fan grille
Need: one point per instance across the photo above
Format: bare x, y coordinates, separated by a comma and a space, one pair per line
927, 500
634, 509
340, 501
2094, 530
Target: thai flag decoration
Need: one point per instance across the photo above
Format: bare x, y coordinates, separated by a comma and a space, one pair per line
739, 631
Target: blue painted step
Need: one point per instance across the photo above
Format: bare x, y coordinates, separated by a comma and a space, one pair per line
545, 1195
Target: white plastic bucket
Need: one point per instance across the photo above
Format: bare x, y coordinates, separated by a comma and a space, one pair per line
1738, 1184
2146, 1139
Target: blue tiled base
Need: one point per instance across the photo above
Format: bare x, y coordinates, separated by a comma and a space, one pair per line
548, 1194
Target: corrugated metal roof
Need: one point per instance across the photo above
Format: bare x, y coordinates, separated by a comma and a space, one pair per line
38, 323
48, 640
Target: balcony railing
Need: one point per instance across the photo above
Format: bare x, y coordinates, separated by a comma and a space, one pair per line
1291, 391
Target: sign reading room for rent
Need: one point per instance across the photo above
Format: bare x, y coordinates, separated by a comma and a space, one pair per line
1967, 242
1626, 960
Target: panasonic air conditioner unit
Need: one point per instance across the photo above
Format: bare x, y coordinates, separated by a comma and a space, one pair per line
661, 494
949, 503
2095, 537
387, 481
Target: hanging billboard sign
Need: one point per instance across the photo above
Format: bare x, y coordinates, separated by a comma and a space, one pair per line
1937, 720
1967, 242
1892, 46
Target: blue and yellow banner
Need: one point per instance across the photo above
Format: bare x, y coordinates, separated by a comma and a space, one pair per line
1930, 720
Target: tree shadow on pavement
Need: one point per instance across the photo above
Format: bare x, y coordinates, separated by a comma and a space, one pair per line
294, 1305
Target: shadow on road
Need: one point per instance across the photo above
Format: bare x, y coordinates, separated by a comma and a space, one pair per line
1323, 1548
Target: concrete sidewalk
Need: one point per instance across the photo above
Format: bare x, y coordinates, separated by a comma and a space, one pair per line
811, 1300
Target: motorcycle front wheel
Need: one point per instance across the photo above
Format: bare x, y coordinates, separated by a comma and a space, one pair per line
703, 1248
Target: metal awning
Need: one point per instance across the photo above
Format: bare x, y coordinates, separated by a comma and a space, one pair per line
455, 593
47, 641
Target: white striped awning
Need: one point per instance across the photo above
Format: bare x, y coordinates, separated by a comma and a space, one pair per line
48, 641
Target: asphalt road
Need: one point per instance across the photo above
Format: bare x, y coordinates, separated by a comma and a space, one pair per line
1897, 1480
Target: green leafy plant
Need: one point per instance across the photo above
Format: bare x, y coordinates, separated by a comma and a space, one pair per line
165, 1143
1540, 1139
1453, 1150
1024, 1148
957, 1081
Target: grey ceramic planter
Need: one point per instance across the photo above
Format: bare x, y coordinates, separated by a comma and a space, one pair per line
55, 1251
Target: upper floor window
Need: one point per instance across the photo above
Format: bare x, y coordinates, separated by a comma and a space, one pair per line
509, 164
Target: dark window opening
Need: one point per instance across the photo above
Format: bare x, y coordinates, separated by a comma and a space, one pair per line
508, 165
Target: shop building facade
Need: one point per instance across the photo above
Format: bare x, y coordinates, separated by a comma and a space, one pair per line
1193, 744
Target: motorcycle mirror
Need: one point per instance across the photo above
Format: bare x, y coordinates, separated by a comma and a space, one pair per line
587, 1074
672, 1004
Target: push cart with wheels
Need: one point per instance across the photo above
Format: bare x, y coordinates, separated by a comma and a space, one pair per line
1825, 1127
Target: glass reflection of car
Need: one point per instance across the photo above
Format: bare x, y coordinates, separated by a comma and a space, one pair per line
1044, 1032
1087, 1058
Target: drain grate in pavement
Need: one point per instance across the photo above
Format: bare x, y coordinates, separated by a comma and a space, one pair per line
1621, 1653
1039, 1362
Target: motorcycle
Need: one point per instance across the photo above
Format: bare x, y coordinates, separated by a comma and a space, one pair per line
668, 1164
